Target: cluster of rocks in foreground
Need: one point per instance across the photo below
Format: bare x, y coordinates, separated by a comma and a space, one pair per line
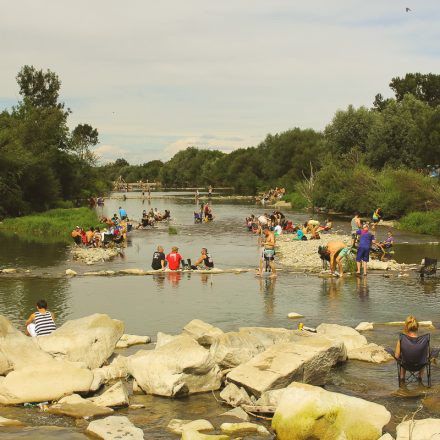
92, 255
272, 370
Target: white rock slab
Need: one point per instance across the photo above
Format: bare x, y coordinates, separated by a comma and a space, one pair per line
115, 428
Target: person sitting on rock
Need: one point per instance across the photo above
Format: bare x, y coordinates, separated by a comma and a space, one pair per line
41, 322
205, 260
76, 235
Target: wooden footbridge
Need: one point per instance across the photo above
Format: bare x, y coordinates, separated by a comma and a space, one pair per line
121, 185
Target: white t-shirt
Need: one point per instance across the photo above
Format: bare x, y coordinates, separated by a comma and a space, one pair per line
278, 230
262, 219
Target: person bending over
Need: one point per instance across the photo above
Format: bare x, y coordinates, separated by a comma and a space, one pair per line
334, 252
205, 260
41, 322
159, 262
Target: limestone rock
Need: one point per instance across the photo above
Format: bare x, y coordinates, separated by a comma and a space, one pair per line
243, 428
238, 413
77, 407
132, 272
308, 360
370, 353
306, 411
235, 396
115, 428
424, 429
9, 270
234, 348
136, 388
428, 324
163, 339
204, 333
178, 426
129, 340
55, 379
349, 336
115, 396
178, 368
270, 398
9, 422
268, 336
70, 273
94, 255
294, 315
116, 370
90, 340
386, 437
364, 326
195, 435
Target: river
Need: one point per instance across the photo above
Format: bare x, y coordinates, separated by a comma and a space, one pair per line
166, 302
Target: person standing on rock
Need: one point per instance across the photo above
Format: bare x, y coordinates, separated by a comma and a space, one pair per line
41, 322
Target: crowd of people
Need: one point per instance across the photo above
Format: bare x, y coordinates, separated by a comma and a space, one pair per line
174, 260
153, 216
204, 214
272, 195
279, 224
115, 231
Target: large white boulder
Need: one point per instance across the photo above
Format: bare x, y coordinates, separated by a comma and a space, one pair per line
77, 407
235, 396
370, 353
115, 396
90, 340
44, 382
306, 411
204, 333
129, 340
308, 360
234, 348
116, 370
349, 336
177, 368
115, 428
424, 429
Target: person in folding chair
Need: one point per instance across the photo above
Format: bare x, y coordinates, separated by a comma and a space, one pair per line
413, 353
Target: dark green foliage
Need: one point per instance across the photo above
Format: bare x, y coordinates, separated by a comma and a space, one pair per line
41, 162
422, 222
425, 87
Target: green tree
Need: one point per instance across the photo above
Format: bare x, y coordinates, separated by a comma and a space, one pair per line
83, 137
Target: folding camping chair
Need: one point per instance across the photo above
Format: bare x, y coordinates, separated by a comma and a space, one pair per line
429, 267
415, 354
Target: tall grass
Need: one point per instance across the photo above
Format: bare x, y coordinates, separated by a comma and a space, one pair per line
51, 226
421, 222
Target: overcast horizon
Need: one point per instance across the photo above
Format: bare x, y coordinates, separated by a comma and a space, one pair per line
155, 78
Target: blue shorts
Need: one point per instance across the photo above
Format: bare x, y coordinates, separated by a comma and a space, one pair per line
363, 254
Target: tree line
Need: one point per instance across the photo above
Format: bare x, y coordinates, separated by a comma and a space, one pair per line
44, 164
363, 158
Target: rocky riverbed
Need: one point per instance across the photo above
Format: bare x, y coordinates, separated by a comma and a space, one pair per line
75, 372
91, 255
304, 255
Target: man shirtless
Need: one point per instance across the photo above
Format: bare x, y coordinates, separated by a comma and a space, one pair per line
336, 251
268, 251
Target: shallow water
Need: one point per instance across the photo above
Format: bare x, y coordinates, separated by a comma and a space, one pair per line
166, 302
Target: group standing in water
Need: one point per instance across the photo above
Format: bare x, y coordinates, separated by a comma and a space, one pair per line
204, 214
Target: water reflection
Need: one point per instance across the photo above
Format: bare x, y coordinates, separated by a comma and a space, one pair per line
267, 288
174, 278
18, 298
362, 287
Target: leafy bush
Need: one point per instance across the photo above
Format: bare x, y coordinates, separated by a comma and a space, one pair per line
172, 230
297, 200
421, 222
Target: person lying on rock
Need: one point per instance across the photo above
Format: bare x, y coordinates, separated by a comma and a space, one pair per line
41, 322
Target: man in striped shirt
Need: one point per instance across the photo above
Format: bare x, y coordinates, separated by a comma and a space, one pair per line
41, 322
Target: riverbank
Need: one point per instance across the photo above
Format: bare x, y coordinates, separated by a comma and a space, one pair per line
53, 226
421, 222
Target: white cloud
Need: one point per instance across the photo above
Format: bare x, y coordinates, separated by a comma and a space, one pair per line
109, 153
179, 69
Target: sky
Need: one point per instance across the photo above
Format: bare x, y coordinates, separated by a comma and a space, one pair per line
155, 77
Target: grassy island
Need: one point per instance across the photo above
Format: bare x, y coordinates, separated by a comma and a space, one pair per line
54, 225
